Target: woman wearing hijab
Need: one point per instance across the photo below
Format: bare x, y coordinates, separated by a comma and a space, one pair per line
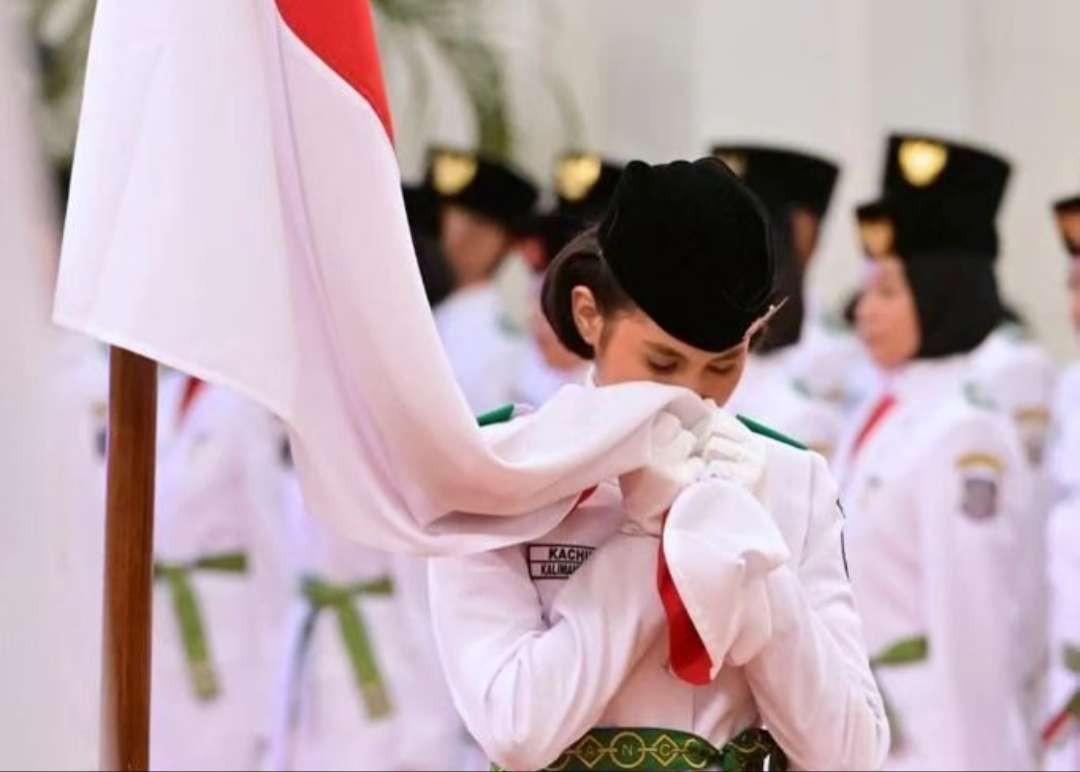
934, 478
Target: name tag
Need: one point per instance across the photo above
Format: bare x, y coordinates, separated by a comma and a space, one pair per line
556, 561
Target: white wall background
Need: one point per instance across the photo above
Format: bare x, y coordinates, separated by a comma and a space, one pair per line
662, 80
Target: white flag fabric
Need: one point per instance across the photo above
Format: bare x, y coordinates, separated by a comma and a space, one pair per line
51, 507
236, 213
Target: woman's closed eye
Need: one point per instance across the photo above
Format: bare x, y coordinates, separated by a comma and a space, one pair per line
661, 366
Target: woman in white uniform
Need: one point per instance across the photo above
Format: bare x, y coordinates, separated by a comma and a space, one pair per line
216, 464
935, 484
783, 371
358, 683
561, 652
1061, 730
484, 208
584, 185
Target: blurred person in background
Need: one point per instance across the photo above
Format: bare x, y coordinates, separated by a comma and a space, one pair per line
1061, 729
584, 185
214, 478
422, 211
782, 383
484, 208
934, 477
356, 676
959, 190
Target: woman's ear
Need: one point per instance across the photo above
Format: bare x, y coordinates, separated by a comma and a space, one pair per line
587, 317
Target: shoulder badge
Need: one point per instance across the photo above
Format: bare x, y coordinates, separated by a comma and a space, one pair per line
980, 473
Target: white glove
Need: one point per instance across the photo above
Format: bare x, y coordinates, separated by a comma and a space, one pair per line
721, 546
648, 492
731, 451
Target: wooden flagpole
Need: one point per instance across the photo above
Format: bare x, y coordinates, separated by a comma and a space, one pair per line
129, 562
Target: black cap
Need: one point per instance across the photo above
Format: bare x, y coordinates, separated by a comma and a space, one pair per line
1067, 213
421, 209
691, 245
943, 195
585, 184
782, 178
483, 185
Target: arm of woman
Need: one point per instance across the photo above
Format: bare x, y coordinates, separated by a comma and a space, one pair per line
812, 680
971, 507
527, 687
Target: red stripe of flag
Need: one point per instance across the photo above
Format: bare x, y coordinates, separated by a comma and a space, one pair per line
342, 34
689, 658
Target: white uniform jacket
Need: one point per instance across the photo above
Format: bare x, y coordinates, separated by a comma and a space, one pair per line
483, 353
936, 497
543, 641
215, 466
402, 718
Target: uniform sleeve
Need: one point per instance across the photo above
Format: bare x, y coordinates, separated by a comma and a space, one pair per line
528, 687
1064, 569
812, 681
272, 579
970, 506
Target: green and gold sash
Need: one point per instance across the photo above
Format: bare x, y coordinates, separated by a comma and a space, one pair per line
197, 650
650, 748
908, 651
340, 598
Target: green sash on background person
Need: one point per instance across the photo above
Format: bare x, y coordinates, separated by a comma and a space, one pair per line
204, 678
341, 599
908, 651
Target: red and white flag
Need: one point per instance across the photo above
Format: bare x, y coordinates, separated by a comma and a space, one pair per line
236, 213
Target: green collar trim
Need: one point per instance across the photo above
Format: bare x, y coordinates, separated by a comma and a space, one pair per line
772, 434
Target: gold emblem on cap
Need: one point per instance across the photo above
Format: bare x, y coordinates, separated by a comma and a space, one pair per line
735, 161
878, 237
1069, 224
921, 161
576, 176
452, 172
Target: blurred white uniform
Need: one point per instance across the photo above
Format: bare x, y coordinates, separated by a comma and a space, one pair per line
215, 466
936, 497
1017, 375
806, 390
1063, 559
544, 641
1062, 462
342, 594
536, 380
483, 352
1063, 751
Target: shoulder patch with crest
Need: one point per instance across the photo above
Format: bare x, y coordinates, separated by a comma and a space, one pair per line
980, 474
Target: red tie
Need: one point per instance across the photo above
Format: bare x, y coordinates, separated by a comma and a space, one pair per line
192, 388
880, 411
